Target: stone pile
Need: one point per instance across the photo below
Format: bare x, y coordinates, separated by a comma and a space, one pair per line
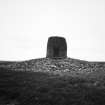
55, 65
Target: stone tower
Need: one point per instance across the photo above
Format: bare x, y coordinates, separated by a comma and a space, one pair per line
56, 47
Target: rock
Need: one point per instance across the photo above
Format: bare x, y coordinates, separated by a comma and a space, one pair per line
56, 47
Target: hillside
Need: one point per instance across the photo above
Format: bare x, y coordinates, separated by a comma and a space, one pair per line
52, 82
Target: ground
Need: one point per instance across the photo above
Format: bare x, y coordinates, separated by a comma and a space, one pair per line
52, 82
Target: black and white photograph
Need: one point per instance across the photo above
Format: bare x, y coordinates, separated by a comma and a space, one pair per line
52, 52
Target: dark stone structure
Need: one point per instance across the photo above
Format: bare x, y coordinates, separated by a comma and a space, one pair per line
56, 47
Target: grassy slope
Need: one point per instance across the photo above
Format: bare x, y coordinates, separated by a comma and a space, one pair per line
28, 88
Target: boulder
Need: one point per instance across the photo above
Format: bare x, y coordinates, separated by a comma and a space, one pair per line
56, 47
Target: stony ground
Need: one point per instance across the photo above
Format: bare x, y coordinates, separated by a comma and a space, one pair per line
52, 82
61, 65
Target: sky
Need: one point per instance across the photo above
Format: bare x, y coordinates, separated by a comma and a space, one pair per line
25, 26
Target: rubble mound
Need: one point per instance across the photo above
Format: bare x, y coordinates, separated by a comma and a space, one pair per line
67, 66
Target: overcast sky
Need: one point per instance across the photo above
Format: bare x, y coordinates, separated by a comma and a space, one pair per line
25, 26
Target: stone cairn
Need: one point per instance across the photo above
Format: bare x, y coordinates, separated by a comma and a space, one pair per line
56, 48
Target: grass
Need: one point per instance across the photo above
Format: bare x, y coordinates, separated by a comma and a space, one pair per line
37, 88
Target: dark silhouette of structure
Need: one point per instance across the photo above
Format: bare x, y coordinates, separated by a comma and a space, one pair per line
56, 47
